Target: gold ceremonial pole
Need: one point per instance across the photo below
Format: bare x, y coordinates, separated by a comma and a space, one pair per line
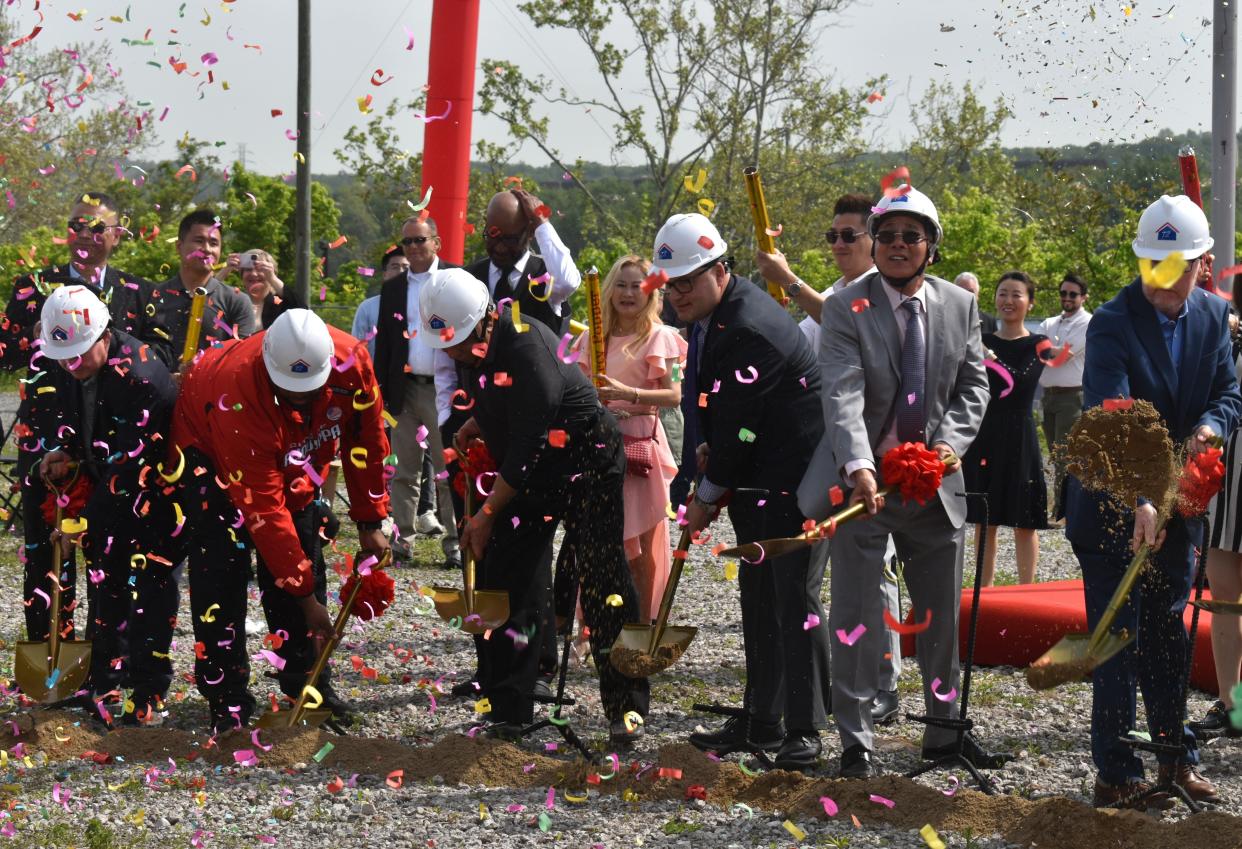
596, 318
759, 212
194, 331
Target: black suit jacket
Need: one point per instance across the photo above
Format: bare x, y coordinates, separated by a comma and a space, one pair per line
392, 346
759, 376
531, 307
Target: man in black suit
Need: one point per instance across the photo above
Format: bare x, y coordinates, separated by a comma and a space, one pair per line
968, 281
405, 365
757, 384
93, 233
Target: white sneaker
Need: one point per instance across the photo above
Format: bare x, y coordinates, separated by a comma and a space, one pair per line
428, 525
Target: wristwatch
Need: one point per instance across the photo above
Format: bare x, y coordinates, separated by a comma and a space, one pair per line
794, 288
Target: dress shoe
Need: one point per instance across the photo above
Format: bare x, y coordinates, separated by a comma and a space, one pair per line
468, 689
740, 733
856, 762
799, 750
510, 732
972, 751
452, 560
885, 707
1132, 795
543, 691
342, 711
624, 736
1196, 786
1215, 723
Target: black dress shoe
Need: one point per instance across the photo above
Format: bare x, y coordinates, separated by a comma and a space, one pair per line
740, 733
543, 690
624, 736
510, 732
972, 751
885, 707
856, 762
799, 750
468, 689
1215, 724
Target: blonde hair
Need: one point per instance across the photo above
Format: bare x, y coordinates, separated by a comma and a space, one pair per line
650, 315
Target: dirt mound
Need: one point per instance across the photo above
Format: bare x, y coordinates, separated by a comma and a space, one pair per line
1124, 452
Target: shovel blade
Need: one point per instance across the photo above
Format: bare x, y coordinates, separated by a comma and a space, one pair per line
491, 606
1220, 608
1073, 656
450, 603
757, 552
34, 668
631, 655
284, 718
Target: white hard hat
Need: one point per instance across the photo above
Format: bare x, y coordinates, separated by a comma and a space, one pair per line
1172, 224
908, 202
72, 320
453, 299
686, 242
297, 350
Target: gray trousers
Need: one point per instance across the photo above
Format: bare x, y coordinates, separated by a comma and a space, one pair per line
1060, 411
931, 550
419, 409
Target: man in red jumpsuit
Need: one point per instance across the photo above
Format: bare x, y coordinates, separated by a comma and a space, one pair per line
254, 429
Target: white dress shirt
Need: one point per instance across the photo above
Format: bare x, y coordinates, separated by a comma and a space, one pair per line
1061, 329
810, 326
565, 281
421, 357
890, 440
365, 320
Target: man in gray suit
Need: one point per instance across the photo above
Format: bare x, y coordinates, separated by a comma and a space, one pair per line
901, 362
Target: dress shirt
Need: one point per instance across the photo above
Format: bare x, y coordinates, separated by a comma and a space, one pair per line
1174, 335
421, 356
556, 256
810, 325
895, 300
1062, 329
99, 279
365, 321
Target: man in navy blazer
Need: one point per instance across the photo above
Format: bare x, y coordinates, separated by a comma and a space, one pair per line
1169, 346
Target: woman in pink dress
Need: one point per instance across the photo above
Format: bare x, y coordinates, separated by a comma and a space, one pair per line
643, 373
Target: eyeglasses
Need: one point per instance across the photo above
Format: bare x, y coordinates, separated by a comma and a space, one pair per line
494, 235
847, 235
1070, 293
416, 240
77, 225
910, 237
683, 285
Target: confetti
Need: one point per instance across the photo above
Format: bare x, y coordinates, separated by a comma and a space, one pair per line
915, 628
812, 621
695, 184
860, 304
930, 837
853, 636
944, 697
830, 807
798, 834
614, 600
1004, 375
880, 800
1163, 274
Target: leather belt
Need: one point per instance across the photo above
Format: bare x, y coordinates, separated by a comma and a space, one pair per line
421, 378
1053, 390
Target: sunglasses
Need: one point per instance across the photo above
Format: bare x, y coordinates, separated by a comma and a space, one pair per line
1070, 293
910, 237
493, 234
77, 225
416, 240
848, 236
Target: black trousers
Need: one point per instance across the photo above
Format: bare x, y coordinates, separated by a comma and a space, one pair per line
548, 658
581, 485
787, 664
37, 557
132, 614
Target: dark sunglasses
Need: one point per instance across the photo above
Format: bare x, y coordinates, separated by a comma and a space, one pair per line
416, 240
77, 225
1070, 293
910, 237
848, 236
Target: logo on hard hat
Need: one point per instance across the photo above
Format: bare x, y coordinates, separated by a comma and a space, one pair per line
60, 334
1166, 233
903, 198
436, 323
300, 367
664, 252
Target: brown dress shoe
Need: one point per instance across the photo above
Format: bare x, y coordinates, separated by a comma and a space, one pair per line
1195, 785
1130, 795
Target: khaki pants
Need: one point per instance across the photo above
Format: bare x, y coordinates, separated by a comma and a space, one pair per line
419, 409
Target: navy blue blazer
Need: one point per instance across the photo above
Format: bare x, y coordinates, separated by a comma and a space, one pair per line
1127, 358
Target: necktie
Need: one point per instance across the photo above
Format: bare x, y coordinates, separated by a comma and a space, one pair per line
910, 409
690, 396
503, 289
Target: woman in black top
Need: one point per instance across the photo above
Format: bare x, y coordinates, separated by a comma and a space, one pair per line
559, 456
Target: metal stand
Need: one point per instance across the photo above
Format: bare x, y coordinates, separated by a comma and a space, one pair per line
1171, 787
554, 718
962, 724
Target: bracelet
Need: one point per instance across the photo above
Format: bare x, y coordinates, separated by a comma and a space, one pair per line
636, 395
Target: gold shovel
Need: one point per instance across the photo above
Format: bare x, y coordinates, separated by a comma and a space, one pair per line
1220, 607
473, 611
642, 650
52, 670
1074, 655
303, 713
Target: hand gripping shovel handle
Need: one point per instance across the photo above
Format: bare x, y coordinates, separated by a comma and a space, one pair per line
1122, 593
670, 590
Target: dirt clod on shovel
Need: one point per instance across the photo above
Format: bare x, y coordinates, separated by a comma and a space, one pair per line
639, 664
1124, 453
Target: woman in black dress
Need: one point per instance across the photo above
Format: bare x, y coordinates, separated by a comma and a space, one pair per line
1005, 461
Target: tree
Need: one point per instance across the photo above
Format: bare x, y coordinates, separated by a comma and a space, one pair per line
65, 126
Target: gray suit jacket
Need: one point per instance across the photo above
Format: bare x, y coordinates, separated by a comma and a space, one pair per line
860, 363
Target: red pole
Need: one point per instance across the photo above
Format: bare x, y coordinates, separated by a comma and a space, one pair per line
446, 141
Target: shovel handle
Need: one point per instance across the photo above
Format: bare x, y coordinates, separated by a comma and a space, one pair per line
670, 590
1122, 593
467, 556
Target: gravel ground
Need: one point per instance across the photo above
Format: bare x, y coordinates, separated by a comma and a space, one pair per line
171, 789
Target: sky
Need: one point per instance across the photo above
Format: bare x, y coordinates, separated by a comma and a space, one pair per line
1071, 72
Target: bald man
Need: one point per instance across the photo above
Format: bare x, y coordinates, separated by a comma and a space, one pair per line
969, 282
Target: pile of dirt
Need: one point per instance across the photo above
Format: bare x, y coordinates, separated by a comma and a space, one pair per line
1124, 452
639, 664
679, 771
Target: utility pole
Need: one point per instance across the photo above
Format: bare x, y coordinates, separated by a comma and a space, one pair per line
302, 216
1224, 132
